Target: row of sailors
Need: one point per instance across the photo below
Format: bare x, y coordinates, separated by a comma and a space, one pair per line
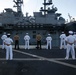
63, 39
68, 43
7, 43
70, 40
27, 38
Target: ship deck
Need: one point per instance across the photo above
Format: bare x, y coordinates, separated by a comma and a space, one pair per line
37, 62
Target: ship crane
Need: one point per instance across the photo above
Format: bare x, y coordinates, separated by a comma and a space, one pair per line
70, 17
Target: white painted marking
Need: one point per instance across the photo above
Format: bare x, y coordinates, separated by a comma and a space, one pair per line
26, 53
27, 59
51, 60
62, 63
2, 59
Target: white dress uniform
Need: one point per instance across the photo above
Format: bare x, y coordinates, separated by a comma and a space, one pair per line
9, 52
3, 38
70, 46
62, 41
49, 39
26, 38
75, 38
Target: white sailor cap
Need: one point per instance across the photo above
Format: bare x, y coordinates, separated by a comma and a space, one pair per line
8, 34
48, 34
70, 32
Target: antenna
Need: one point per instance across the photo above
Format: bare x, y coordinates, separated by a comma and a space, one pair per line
50, 1
46, 3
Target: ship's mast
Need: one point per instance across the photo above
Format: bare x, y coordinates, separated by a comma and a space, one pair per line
18, 4
46, 4
44, 7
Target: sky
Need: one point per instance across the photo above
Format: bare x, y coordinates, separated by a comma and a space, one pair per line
30, 6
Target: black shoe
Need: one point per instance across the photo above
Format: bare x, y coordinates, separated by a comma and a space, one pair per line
37, 47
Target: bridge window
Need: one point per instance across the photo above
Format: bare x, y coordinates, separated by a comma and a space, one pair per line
34, 31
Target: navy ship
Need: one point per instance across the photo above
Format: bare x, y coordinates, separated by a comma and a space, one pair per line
35, 62
45, 21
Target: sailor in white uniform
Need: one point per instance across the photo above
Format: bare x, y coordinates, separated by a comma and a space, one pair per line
48, 39
4, 36
26, 38
62, 40
70, 40
75, 38
8, 42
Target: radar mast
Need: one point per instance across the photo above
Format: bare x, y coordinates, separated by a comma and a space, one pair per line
46, 3
18, 5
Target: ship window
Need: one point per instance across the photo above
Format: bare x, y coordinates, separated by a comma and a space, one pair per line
34, 36
37, 26
30, 26
34, 31
34, 26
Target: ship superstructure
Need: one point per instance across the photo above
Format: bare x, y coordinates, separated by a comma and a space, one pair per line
9, 16
45, 21
48, 15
